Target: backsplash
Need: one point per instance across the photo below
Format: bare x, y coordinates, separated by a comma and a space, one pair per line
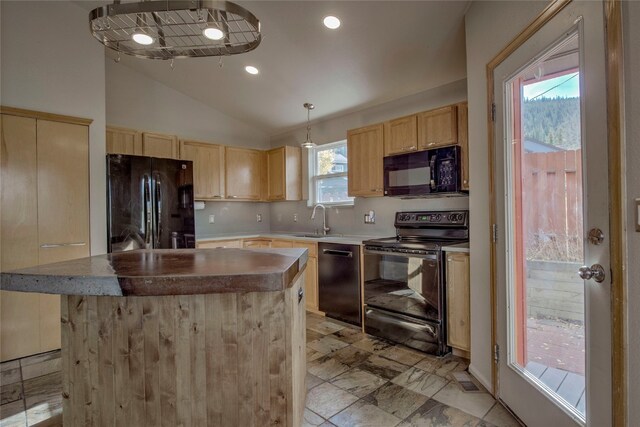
350, 220
240, 217
232, 217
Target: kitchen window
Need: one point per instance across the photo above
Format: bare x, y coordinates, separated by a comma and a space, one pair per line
328, 174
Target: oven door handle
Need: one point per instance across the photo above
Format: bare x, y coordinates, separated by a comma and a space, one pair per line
430, 256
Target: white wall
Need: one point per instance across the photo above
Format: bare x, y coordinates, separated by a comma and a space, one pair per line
137, 101
490, 26
631, 40
51, 63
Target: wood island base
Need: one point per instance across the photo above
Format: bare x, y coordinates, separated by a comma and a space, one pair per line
218, 359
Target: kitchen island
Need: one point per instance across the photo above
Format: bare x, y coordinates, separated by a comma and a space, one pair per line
179, 337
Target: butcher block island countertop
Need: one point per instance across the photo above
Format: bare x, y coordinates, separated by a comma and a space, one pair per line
211, 337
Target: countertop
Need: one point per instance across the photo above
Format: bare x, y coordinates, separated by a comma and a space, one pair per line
344, 239
164, 272
458, 247
347, 240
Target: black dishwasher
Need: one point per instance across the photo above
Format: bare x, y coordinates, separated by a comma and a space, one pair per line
339, 281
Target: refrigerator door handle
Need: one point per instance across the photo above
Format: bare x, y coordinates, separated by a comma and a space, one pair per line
158, 227
147, 212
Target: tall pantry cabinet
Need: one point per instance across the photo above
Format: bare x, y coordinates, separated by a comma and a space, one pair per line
44, 218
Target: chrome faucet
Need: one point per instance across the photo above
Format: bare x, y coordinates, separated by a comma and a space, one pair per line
325, 229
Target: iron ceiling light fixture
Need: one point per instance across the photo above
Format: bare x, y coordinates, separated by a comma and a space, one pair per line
169, 29
308, 143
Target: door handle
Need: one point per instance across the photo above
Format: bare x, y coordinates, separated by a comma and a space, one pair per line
595, 272
158, 227
147, 212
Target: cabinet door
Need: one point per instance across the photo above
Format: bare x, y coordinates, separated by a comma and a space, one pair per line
159, 145
123, 141
437, 128
19, 315
463, 141
365, 150
284, 173
458, 306
276, 174
311, 284
243, 173
63, 187
401, 135
208, 168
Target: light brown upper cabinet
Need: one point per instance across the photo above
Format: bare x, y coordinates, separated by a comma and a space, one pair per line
124, 141
44, 219
208, 168
437, 128
284, 173
401, 135
365, 148
244, 174
159, 145
463, 141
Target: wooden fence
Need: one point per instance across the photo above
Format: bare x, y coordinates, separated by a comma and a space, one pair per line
552, 205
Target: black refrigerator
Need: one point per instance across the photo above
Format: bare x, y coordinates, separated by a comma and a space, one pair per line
149, 203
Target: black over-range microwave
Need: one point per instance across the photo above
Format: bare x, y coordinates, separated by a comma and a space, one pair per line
423, 173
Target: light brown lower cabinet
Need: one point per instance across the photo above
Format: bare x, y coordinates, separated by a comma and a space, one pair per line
44, 215
458, 301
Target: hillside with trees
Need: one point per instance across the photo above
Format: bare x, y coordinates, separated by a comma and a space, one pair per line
554, 121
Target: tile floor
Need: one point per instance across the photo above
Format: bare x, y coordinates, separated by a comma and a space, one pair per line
353, 380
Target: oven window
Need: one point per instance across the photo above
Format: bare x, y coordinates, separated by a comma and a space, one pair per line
409, 177
405, 285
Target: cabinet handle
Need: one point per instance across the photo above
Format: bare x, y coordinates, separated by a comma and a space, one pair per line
58, 245
217, 196
300, 295
233, 197
409, 147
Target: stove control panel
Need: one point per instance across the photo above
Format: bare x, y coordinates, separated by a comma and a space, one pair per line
424, 218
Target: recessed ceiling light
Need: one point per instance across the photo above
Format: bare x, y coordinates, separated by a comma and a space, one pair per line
331, 22
251, 69
213, 33
142, 38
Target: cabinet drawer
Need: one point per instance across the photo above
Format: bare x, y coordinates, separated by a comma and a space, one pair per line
311, 247
219, 244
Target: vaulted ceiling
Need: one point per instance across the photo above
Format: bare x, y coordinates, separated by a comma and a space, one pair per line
383, 50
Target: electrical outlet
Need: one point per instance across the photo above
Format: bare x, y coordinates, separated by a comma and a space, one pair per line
295, 217
370, 217
212, 219
259, 217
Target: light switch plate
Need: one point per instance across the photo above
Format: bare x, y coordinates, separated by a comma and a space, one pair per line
295, 217
259, 217
212, 219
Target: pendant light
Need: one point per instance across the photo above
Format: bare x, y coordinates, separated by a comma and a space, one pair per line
308, 143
